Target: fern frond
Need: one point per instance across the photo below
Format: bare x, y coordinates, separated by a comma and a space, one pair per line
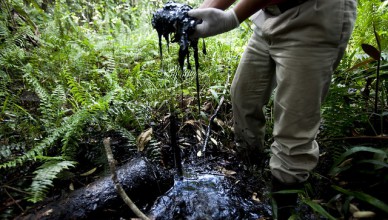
11, 57
123, 132
83, 116
36, 150
72, 130
4, 32
69, 128
79, 93
4, 91
44, 177
154, 151
50, 104
59, 94
39, 90
113, 81
6, 151
19, 37
109, 64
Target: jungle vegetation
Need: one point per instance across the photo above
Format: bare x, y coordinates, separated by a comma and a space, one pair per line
73, 72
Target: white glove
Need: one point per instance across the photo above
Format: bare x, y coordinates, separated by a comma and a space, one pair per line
214, 21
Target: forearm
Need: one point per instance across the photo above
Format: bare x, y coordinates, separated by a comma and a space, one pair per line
220, 4
245, 8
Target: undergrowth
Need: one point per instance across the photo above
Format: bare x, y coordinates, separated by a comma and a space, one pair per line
68, 70
72, 73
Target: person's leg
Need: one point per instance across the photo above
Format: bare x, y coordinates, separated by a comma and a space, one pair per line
250, 92
303, 75
306, 52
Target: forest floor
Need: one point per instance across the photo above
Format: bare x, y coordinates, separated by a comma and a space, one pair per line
247, 185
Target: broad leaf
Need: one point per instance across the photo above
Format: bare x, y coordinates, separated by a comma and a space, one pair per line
371, 51
353, 151
364, 197
318, 208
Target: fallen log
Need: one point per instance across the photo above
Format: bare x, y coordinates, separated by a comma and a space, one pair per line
141, 180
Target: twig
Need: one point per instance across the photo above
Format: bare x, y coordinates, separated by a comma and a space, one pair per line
14, 201
117, 184
215, 114
15, 189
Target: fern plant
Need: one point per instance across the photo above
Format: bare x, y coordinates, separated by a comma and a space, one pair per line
44, 176
85, 68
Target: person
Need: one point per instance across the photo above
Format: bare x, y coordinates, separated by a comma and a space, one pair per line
295, 47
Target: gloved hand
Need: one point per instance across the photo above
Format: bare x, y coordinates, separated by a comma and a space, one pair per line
214, 21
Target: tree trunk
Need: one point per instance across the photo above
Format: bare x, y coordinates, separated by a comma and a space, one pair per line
140, 179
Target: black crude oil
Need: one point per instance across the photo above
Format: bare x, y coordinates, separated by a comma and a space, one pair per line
173, 20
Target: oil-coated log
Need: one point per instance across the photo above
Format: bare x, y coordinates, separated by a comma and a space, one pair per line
140, 179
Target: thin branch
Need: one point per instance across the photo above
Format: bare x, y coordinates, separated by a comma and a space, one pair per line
13, 200
15, 189
117, 184
215, 114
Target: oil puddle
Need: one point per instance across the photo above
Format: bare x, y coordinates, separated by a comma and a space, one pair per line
201, 196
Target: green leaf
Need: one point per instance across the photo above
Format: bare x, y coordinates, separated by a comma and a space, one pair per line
318, 208
23, 13
371, 51
378, 39
215, 95
35, 4
364, 197
44, 177
289, 191
378, 164
351, 151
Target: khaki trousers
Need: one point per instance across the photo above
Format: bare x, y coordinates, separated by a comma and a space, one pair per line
295, 52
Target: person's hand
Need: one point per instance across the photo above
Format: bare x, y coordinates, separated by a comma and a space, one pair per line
214, 21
